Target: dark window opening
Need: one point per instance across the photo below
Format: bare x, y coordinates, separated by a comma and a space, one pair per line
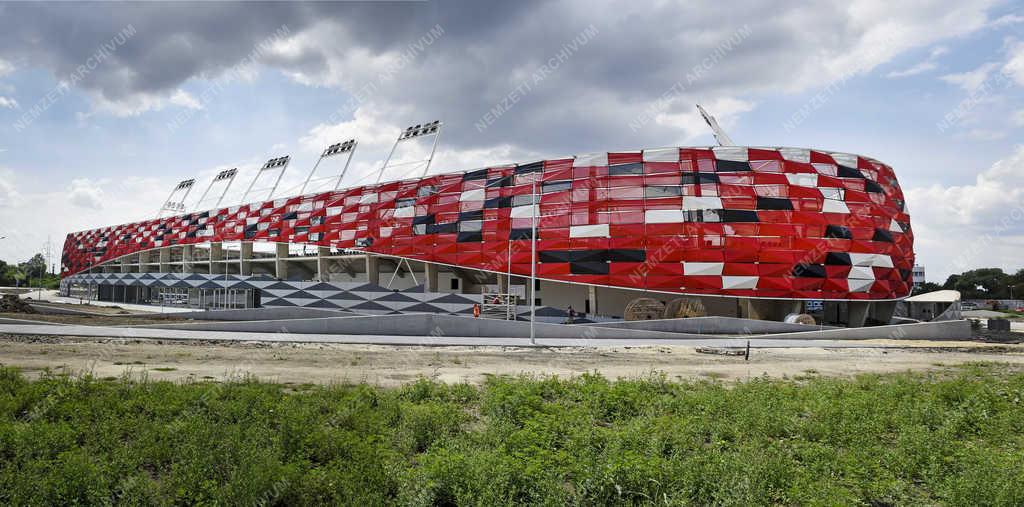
631, 169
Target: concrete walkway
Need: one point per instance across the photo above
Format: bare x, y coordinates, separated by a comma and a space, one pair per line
173, 334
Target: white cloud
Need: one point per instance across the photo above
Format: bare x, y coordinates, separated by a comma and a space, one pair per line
9, 195
8, 103
5, 67
86, 193
920, 68
971, 79
139, 103
1014, 66
1009, 19
986, 218
1017, 118
980, 134
376, 136
29, 218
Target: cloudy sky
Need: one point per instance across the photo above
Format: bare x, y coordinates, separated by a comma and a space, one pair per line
104, 107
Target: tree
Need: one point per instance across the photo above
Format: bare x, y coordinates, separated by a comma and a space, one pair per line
925, 287
984, 283
34, 267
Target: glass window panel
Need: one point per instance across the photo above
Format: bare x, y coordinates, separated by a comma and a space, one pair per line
555, 186
631, 169
473, 226
653, 192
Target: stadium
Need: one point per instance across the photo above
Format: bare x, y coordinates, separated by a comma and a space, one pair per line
734, 231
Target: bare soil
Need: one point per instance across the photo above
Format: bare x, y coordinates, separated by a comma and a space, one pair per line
390, 365
91, 315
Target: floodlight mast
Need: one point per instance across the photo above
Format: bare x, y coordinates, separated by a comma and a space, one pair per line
228, 175
425, 129
271, 165
332, 150
721, 137
178, 206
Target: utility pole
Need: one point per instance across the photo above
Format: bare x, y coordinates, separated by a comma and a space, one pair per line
533, 259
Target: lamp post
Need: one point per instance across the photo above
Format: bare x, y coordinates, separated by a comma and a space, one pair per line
533, 260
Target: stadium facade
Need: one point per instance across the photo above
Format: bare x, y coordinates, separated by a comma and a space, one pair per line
746, 231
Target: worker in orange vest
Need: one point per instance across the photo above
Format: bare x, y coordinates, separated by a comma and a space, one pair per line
476, 310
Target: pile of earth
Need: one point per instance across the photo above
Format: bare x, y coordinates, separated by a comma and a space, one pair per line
11, 303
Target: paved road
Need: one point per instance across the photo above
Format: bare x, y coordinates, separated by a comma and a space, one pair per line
173, 334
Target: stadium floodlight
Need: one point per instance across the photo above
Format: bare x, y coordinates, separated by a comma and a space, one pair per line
721, 137
275, 164
228, 176
414, 132
348, 147
176, 204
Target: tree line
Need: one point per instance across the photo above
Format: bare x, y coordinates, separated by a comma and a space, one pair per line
983, 283
26, 273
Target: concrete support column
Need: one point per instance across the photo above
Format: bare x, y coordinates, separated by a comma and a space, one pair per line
430, 273
216, 256
143, 260
186, 258
165, 259
502, 283
592, 298
372, 269
322, 272
245, 263
882, 311
857, 313
281, 262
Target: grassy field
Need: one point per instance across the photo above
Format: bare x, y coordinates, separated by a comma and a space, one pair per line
955, 437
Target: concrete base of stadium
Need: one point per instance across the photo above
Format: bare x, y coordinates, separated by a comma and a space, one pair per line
238, 275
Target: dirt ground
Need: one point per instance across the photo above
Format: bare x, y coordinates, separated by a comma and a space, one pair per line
110, 319
390, 365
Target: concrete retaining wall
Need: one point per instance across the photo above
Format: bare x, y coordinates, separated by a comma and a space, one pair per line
712, 325
420, 325
944, 331
280, 313
450, 325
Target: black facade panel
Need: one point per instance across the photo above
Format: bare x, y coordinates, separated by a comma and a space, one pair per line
517, 234
809, 271
838, 259
849, 172
738, 215
588, 268
774, 203
530, 168
726, 166
882, 235
623, 255
838, 232
449, 228
425, 219
471, 215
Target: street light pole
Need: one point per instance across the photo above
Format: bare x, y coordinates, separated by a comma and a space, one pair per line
533, 259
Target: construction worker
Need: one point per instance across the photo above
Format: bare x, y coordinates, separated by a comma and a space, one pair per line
476, 310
